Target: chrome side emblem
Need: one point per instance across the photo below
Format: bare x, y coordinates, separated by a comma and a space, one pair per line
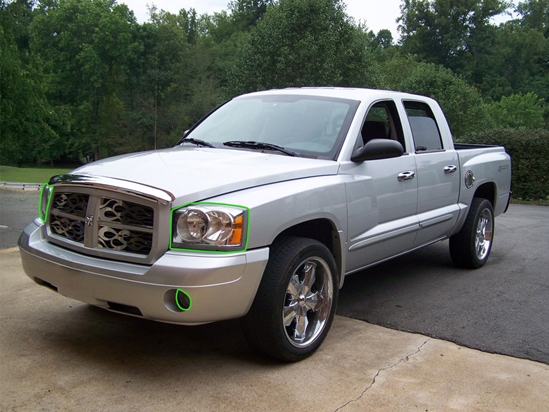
469, 179
89, 221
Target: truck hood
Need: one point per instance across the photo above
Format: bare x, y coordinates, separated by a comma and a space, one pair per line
194, 174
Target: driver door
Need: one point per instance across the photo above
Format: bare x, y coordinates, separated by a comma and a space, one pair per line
382, 195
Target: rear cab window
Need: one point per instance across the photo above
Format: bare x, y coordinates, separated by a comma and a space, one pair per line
425, 130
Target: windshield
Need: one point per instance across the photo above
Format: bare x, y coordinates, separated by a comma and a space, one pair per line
308, 126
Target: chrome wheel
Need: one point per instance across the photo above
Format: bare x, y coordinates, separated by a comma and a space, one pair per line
483, 239
296, 301
308, 302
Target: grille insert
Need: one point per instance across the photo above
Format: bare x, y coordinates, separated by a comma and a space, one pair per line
124, 239
68, 228
104, 223
74, 204
126, 213
68, 215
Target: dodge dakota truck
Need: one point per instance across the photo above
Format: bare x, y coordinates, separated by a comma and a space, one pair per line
263, 208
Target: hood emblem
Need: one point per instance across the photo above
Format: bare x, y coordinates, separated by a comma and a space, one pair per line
89, 221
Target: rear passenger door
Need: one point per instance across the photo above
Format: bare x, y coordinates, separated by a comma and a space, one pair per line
437, 175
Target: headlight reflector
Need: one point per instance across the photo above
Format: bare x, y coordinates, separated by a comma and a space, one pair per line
209, 226
192, 225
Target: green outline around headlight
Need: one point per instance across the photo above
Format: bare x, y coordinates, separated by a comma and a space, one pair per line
44, 218
247, 228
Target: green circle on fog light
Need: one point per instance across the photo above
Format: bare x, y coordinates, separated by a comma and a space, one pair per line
185, 299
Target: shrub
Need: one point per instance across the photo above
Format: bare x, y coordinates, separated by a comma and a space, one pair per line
529, 151
518, 110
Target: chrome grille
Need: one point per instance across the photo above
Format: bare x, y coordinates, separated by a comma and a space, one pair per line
102, 222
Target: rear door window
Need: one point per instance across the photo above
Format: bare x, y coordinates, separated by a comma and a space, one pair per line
425, 131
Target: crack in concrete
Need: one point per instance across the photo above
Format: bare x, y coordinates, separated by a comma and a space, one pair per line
405, 358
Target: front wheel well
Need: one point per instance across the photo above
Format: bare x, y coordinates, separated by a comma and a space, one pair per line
322, 230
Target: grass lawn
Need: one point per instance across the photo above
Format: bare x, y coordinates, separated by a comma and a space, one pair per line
29, 174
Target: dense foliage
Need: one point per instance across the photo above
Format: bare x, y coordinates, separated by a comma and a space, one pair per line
302, 43
529, 151
82, 79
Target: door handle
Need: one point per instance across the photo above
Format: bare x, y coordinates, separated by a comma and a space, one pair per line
406, 176
450, 169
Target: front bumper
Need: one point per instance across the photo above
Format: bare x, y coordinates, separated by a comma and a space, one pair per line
221, 286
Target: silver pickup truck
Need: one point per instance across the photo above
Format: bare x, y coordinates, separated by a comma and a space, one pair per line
263, 208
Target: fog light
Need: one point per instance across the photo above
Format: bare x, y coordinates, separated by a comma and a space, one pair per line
183, 300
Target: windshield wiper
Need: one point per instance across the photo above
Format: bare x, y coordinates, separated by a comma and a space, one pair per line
259, 146
196, 142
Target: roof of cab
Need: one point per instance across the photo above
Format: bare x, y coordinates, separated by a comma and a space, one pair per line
340, 92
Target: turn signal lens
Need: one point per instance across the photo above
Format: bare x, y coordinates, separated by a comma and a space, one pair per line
238, 231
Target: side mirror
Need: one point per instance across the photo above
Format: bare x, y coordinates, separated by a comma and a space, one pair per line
377, 149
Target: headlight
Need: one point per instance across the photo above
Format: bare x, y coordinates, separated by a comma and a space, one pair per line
209, 226
45, 199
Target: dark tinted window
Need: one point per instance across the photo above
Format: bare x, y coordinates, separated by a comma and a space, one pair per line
425, 130
383, 122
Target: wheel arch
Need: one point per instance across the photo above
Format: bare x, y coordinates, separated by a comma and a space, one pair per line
487, 191
324, 231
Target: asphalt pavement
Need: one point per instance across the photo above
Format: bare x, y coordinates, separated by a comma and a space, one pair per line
17, 209
500, 308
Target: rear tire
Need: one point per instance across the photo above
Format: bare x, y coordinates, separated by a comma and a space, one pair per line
295, 304
471, 247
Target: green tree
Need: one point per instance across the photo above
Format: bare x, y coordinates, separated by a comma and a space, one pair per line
452, 33
302, 43
383, 39
535, 15
84, 45
392, 68
517, 64
26, 133
462, 104
518, 111
187, 72
246, 13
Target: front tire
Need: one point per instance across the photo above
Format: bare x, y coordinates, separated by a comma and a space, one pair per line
295, 304
471, 246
